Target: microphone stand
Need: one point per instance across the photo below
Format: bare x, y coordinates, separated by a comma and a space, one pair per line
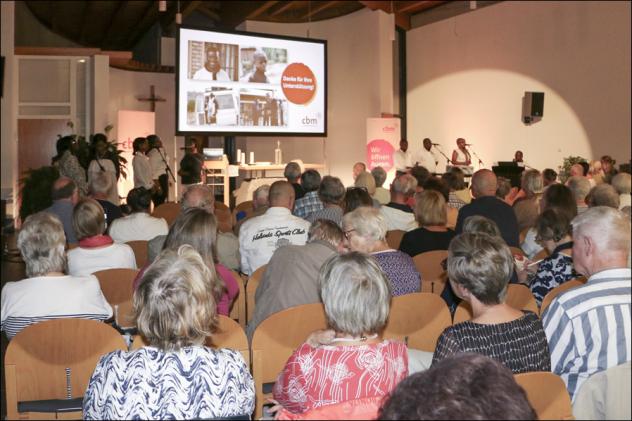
444, 155
480, 162
167, 165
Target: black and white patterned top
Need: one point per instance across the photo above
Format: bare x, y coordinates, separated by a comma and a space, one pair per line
552, 272
520, 344
148, 383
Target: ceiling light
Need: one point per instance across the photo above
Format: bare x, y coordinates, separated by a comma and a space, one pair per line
162, 5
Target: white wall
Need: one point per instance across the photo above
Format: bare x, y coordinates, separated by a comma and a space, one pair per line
9, 151
127, 86
467, 76
360, 78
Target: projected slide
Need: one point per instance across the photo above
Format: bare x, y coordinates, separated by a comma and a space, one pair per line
240, 83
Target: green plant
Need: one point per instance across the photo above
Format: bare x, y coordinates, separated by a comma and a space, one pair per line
565, 169
35, 190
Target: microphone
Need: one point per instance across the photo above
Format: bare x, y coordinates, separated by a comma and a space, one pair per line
469, 144
435, 144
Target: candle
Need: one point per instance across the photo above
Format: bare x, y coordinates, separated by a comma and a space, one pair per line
252, 158
238, 156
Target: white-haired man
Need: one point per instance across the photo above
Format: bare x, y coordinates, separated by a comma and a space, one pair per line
588, 328
397, 213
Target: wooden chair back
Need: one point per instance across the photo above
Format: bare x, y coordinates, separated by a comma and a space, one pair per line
117, 287
251, 290
243, 207
433, 277
418, 319
547, 395
55, 360
141, 251
276, 338
229, 334
224, 217
169, 211
394, 238
238, 310
518, 297
542, 254
548, 298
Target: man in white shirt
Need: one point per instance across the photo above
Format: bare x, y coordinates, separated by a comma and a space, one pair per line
212, 69
402, 158
426, 157
140, 225
259, 237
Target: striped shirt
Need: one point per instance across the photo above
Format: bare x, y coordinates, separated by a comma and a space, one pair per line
588, 328
42, 298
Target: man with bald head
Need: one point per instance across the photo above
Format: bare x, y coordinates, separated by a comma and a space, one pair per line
486, 204
260, 236
65, 195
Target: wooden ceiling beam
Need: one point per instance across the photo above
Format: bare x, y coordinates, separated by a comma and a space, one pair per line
401, 19
211, 14
261, 9
416, 6
288, 5
109, 31
149, 17
87, 9
320, 8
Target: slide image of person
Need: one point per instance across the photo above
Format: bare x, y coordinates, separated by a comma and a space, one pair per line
216, 61
262, 107
263, 65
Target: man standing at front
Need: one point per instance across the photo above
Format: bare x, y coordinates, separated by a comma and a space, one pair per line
588, 328
259, 237
427, 158
402, 159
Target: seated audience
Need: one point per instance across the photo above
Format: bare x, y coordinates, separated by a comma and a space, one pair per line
431, 214
621, 183
140, 225
259, 206
381, 194
48, 293
310, 180
549, 176
577, 170
349, 361
607, 168
286, 282
463, 193
100, 186
528, 207
439, 185
356, 197
201, 196
455, 183
554, 233
421, 174
96, 251
331, 193
588, 327
397, 213
603, 195
486, 203
259, 237
555, 196
293, 175
366, 181
365, 231
461, 387
197, 227
504, 191
358, 167
580, 186
65, 196
175, 376
595, 172
479, 269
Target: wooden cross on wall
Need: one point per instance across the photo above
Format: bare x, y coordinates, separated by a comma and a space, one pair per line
153, 98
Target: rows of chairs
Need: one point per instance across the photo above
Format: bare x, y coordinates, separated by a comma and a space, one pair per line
170, 211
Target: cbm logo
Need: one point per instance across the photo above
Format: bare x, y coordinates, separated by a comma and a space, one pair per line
309, 121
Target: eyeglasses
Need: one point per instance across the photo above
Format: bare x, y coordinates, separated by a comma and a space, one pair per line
347, 233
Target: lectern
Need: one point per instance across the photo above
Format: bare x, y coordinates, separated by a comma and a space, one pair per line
511, 172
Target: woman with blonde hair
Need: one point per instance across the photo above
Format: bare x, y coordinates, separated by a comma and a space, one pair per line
197, 227
96, 250
432, 234
527, 206
175, 376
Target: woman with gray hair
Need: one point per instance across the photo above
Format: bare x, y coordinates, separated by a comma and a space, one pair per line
349, 361
365, 231
382, 195
175, 376
48, 293
479, 268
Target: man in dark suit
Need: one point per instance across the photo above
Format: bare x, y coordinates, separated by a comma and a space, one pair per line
486, 204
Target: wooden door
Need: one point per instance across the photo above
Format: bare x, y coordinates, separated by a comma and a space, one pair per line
36, 142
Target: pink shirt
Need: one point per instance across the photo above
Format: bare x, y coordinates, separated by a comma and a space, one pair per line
314, 377
232, 287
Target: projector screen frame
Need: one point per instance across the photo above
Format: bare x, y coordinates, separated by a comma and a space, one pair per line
179, 132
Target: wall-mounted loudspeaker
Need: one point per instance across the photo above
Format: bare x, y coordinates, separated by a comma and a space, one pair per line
532, 107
